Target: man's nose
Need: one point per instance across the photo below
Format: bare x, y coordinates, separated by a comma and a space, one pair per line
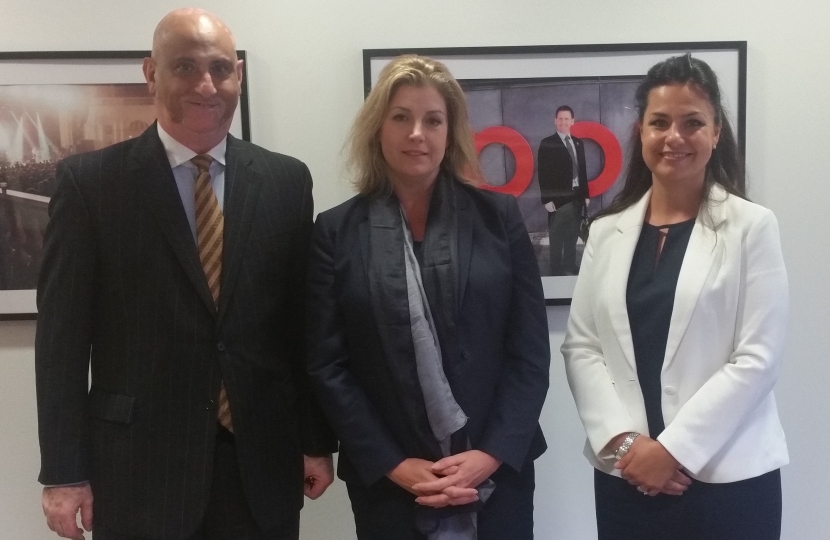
205, 86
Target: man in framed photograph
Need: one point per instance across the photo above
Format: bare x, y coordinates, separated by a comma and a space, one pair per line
563, 182
175, 266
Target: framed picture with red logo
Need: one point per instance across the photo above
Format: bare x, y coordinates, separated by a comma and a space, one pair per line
53, 105
553, 124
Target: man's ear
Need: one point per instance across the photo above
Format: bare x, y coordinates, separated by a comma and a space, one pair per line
149, 68
239, 71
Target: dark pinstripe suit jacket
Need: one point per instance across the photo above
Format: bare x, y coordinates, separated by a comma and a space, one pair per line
122, 285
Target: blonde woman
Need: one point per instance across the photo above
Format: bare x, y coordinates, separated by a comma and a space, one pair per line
428, 338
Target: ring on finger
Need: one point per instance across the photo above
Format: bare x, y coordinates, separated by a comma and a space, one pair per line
642, 490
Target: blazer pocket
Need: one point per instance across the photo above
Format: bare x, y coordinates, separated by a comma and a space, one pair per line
111, 407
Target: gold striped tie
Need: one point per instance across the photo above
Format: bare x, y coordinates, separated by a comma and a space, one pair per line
210, 226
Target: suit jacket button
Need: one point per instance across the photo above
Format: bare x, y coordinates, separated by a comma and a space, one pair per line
670, 390
221, 346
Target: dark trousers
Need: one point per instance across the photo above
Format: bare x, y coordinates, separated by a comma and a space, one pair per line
745, 510
386, 511
563, 231
227, 516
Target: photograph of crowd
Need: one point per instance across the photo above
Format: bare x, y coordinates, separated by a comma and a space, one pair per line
39, 126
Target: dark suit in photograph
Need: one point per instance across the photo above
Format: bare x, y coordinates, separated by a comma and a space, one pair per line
555, 170
482, 282
122, 289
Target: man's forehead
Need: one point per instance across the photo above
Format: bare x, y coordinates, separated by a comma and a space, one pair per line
195, 48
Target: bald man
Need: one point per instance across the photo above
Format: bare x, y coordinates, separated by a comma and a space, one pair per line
175, 267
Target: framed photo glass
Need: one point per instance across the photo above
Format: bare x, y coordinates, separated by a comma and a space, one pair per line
514, 96
53, 105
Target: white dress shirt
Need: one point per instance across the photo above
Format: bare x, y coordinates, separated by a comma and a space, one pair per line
185, 173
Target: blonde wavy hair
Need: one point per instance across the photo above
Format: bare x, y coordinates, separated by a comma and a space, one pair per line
365, 157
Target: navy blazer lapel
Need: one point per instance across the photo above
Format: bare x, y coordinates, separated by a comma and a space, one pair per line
384, 262
242, 186
150, 167
464, 242
386, 272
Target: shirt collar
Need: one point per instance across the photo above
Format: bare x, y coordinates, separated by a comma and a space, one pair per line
561, 135
178, 154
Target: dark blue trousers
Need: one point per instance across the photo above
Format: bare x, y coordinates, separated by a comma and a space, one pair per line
386, 511
745, 510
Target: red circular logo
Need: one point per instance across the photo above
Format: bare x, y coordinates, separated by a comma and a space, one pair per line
523, 155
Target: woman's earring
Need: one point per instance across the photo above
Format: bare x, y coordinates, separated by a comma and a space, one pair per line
714, 146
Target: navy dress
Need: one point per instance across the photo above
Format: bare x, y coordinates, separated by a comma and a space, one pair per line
748, 509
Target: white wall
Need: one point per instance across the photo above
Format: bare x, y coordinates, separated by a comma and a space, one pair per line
306, 84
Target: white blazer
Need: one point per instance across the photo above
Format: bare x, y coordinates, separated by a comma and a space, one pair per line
724, 348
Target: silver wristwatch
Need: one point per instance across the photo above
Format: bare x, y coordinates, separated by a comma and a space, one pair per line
625, 446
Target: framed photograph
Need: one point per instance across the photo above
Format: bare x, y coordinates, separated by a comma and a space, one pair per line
514, 96
53, 105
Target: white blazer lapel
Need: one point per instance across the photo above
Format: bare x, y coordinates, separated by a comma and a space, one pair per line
701, 254
629, 225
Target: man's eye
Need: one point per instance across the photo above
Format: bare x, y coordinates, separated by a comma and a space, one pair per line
220, 70
185, 69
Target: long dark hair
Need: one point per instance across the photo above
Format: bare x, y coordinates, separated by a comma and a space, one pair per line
725, 167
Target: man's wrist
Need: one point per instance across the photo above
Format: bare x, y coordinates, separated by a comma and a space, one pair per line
74, 484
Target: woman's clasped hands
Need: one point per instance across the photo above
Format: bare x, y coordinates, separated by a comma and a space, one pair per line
650, 467
450, 481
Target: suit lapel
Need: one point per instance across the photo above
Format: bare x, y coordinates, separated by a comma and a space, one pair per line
383, 257
150, 167
629, 225
242, 187
464, 243
700, 257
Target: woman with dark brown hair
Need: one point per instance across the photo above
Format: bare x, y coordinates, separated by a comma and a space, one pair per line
676, 332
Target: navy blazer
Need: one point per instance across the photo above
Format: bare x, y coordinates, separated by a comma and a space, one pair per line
499, 374
122, 287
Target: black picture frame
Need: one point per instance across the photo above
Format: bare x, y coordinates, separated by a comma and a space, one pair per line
617, 66
82, 68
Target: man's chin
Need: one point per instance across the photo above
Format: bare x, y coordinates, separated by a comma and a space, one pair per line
204, 126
